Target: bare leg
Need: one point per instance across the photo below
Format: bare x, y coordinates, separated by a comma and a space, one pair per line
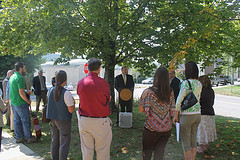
193, 153
187, 155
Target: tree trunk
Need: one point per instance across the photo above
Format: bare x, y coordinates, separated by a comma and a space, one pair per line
109, 77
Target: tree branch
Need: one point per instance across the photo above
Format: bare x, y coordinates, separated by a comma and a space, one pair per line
88, 33
79, 11
137, 41
138, 9
130, 55
231, 19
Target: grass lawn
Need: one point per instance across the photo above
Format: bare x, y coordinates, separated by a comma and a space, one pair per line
231, 91
126, 143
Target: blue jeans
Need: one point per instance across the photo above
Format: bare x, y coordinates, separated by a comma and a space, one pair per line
22, 123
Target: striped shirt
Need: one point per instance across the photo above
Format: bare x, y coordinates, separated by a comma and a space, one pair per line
158, 114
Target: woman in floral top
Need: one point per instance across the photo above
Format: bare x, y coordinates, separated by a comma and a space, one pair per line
190, 118
159, 104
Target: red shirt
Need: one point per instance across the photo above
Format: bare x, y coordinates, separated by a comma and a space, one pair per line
94, 95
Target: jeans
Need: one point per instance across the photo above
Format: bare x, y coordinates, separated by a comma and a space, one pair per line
22, 123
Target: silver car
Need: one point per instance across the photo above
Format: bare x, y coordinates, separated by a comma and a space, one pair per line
224, 80
148, 81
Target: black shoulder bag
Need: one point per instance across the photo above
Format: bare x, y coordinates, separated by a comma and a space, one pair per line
190, 99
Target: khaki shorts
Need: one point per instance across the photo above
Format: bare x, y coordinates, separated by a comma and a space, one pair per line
188, 130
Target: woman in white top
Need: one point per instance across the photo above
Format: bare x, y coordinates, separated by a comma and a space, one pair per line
59, 110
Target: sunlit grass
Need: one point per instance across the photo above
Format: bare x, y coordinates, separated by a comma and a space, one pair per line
127, 145
230, 90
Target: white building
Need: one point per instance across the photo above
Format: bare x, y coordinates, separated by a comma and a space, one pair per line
75, 71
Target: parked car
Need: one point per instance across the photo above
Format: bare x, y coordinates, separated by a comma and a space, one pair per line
215, 81
148, 81
238, 79
224, 80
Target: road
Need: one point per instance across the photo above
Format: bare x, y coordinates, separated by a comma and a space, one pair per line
228, 106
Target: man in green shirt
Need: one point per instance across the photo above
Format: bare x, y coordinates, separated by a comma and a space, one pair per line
20, 105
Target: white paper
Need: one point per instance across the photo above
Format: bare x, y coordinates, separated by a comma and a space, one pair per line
78, 115
177, 130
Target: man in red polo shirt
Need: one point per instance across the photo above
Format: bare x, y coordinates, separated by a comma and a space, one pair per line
94, 124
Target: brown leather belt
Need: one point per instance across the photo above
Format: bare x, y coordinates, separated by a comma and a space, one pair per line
93, 117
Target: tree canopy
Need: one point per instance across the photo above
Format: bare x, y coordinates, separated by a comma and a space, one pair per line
32, 62
130, 32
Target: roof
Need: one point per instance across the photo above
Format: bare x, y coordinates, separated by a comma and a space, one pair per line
73, 62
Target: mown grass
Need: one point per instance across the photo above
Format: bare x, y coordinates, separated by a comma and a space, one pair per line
230, 90
126, 143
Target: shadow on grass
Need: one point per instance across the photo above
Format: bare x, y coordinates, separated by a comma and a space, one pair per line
126, 143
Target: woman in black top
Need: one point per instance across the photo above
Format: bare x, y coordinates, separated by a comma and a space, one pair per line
207, 128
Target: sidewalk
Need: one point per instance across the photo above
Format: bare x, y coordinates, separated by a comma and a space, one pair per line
16, 151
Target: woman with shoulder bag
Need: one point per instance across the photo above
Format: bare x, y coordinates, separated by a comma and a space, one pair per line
59, 110
189, 118
159, 104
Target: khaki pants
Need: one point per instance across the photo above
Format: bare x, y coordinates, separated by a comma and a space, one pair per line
8, 113
11, 119
188, 130
10, 116
95, 132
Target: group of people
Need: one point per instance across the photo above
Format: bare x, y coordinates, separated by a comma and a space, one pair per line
163, 101
93, 121
16, 90
16, 103
95, 127
5, 105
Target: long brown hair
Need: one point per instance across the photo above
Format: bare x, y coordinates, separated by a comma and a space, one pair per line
205, 81
191, 70
61, 77
161, 86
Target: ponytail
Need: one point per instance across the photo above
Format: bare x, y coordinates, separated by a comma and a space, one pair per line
61, 77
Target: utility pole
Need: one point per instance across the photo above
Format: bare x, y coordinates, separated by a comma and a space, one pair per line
232, 70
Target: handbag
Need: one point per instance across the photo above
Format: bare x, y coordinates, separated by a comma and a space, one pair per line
36, 125
190, 99
44, 115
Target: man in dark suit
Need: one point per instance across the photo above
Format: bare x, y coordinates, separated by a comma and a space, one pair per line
123, 81
40, 89
174, 83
